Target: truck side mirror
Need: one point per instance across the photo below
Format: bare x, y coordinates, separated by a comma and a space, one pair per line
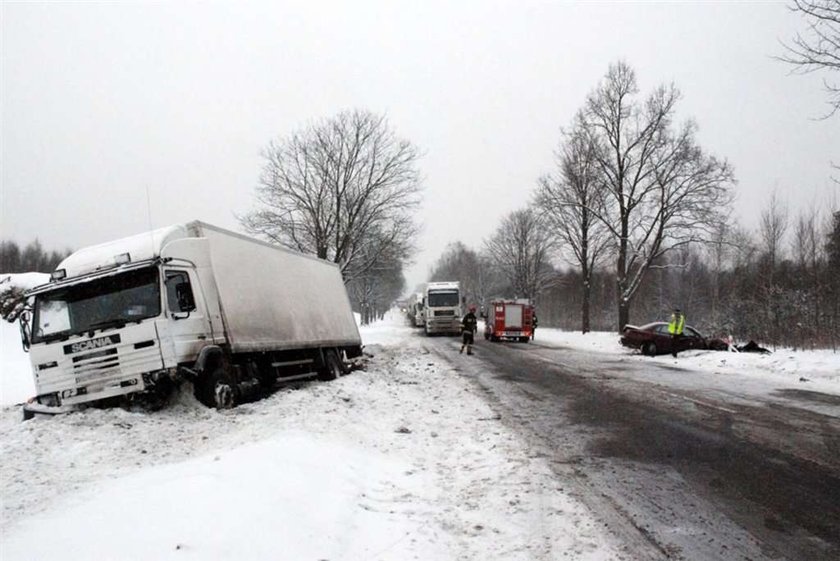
186, 302
25, 332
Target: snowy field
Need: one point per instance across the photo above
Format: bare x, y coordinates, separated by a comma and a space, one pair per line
403, 460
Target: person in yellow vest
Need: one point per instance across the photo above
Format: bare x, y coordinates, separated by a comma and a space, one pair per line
675, 328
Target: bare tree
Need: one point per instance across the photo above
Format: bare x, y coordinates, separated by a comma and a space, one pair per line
570, 199
373, 292
809, 251
719, 251
661, 191
324, 190
775, 220
818, 48
458, 262
832, 250
520, 248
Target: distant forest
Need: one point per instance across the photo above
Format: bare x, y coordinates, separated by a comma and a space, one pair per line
744, 286
31, 258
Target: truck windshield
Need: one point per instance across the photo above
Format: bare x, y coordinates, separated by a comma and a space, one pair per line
104, 302
447, 298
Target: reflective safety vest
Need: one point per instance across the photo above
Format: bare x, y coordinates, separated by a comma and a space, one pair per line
677, 324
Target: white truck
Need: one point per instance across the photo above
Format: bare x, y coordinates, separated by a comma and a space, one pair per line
443, 310
191, 301
416, 317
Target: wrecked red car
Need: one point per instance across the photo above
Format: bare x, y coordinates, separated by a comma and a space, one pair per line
654, 339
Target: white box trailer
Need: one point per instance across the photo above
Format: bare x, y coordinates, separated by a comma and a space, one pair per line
414, 313
229, 312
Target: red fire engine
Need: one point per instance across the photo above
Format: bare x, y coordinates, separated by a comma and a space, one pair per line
509, 319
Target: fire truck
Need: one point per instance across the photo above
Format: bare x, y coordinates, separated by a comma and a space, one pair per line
509, 319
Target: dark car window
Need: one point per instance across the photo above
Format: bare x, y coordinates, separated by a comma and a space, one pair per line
692, 333
662, 329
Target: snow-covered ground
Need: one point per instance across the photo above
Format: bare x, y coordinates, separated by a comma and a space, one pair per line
401, 460
744, 377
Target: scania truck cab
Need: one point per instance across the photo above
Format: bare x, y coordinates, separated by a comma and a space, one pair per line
111, 324
443, 309
183, 302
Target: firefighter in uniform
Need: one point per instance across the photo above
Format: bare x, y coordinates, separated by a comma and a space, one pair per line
469, 325
534, 323
675, 328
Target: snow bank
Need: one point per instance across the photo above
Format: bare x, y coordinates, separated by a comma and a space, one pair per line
24, 281
16, 383
813, 370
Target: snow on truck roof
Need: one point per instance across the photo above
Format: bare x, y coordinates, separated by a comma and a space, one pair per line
454, 285
140, 247
148, 245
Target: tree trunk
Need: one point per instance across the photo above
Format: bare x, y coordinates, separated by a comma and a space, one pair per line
587, 291
621, 282
623, 313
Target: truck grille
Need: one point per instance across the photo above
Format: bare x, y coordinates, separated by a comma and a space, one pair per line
445, 313
96, 365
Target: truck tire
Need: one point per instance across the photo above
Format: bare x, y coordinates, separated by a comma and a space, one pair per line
333, 367
215, 389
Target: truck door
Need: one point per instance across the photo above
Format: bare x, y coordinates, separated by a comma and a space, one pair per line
188, 325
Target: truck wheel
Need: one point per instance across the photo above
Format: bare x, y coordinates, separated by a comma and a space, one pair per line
223, 395
215, 390
332, 366
649, 348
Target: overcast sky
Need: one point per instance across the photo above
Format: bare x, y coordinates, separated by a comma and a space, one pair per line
108, 106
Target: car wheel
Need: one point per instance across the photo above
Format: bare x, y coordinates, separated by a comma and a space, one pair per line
649, 348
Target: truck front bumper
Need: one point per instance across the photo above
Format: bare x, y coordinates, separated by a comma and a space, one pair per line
443, 326
32, 408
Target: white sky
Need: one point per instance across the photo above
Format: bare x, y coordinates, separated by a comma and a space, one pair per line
102, 103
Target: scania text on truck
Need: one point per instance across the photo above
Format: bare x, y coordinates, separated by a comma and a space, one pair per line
442, 308
192, 301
